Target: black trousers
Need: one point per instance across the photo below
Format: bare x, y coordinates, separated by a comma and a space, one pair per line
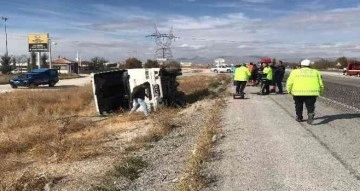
240, 86
309, 103
279, 84
265, 86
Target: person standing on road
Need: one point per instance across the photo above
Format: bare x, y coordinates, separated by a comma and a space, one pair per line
138, 97
254, 75
259, 74
279, 76
273, 80
242, 75
305, 85
266, 79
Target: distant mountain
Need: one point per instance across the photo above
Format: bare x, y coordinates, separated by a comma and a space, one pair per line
196, 60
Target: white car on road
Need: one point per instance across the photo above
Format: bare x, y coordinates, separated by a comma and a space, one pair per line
221, 69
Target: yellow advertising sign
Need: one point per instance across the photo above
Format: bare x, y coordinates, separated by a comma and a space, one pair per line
38, 42
38, 38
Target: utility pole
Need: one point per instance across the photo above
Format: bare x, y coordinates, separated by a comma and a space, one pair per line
6, 41
49, 44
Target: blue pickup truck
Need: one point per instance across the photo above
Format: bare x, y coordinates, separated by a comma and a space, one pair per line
36, 77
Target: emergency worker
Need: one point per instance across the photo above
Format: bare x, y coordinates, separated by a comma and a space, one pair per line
242, 75
267, 78
273, 80
305, 85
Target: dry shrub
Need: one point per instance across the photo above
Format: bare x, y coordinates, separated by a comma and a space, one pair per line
130, 168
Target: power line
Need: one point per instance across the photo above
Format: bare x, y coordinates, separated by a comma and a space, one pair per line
163, 43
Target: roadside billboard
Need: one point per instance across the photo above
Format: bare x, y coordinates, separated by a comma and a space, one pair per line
38, 42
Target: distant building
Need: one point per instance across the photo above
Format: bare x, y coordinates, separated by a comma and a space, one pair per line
219, 61
185, 64
161, 61
65, 66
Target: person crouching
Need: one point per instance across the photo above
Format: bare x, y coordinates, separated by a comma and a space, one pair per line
138, 97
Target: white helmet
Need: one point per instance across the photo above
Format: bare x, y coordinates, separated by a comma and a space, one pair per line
305, 62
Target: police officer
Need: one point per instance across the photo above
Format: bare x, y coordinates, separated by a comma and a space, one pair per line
242, 75
305, 84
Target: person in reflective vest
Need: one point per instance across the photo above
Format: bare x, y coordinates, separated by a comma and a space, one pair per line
305, 85
267, 76
242, 75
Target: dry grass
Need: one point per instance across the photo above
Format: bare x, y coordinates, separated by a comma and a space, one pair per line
191, 84
201, 86
130, 168
163, 124
40, 126
45, 127
193, 180
68, 76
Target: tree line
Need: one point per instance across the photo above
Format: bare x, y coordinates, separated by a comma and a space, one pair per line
339, 63
98, 63
323, 64
8, 63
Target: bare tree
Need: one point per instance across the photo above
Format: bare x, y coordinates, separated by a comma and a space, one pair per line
151, 64
43, 59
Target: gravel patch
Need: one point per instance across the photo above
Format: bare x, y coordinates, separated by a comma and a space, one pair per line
168, 158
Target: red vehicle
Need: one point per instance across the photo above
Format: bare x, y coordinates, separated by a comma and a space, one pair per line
353, 68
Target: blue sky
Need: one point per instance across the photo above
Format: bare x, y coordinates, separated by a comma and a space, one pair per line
116, 29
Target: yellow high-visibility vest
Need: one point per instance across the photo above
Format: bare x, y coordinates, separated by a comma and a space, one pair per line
269, 73
305, 82
242, 74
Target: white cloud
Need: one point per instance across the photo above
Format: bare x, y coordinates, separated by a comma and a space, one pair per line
299, 34
195, 47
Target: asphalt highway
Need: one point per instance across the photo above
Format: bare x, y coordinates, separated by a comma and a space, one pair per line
264, 148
